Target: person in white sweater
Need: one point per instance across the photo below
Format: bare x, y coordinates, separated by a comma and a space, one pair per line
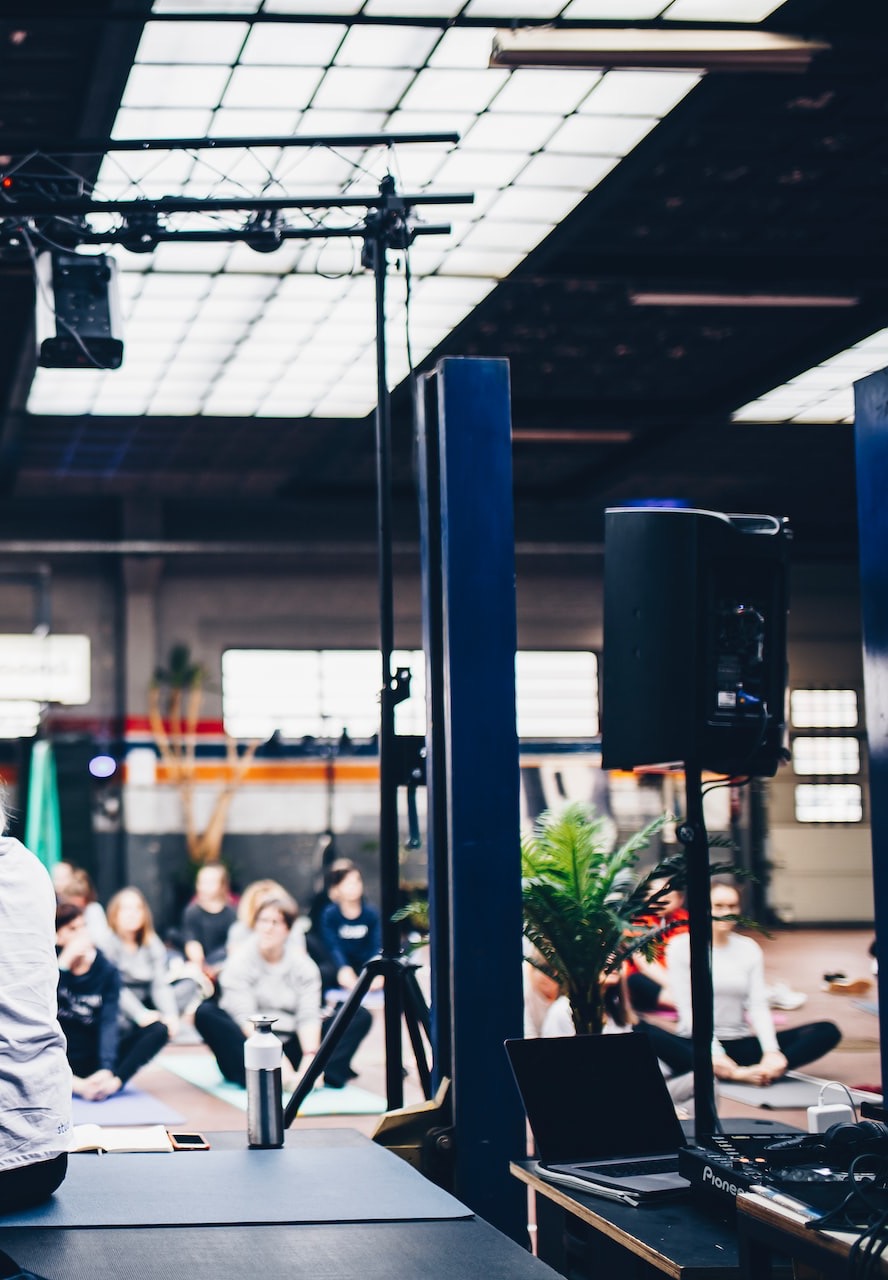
35, 1079
746, 1047
267, 976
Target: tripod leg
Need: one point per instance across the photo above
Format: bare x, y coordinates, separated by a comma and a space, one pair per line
329, 1043
416, 1000
416, 1016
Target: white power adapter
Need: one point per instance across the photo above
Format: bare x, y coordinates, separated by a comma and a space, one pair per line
821, 1117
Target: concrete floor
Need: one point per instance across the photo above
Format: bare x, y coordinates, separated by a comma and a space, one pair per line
797, 957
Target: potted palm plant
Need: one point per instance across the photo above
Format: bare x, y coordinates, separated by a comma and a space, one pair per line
583, 900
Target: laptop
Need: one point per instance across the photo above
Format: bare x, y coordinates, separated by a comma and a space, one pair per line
600, 1114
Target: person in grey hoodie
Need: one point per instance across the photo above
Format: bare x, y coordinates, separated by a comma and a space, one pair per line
35, 1079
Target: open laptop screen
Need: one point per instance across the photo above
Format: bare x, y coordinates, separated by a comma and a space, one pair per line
594, 1097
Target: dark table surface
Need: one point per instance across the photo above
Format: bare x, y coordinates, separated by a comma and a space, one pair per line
426, 1233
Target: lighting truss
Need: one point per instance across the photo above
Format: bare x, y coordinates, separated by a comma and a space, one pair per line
44, 200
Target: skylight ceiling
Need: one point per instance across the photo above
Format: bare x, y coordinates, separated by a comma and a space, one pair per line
824, 393
220, 329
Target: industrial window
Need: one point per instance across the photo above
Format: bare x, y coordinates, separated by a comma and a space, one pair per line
821, 753
826, 755
321, 692
823, 708
830, 802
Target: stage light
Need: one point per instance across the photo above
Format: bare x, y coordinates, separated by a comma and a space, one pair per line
78, 313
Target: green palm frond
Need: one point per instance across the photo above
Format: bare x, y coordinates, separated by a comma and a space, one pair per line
583, 900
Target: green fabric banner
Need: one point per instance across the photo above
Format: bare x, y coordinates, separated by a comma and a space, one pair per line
43, 828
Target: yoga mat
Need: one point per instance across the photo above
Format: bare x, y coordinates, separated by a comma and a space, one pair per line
130, 1106
794, 1092
207, 1188
200, 1070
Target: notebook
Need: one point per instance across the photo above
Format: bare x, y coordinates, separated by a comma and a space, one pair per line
600, 1114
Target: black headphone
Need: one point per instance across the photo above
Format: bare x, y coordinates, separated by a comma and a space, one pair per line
838, 1145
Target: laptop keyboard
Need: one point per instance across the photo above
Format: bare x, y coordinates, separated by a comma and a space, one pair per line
631, 1168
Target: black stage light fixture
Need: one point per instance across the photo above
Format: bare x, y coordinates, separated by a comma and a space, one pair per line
78, 312
694, 661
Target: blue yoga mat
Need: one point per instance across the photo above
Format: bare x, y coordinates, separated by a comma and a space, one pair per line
200, 1070
130, 1106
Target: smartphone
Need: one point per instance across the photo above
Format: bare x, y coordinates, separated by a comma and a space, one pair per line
188, 1141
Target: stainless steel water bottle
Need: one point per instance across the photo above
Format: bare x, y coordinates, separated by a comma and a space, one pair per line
265, 1108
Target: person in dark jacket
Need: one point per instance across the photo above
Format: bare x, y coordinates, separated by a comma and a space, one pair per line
101, 1058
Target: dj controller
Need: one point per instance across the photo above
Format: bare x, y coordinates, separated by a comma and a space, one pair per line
804, 1170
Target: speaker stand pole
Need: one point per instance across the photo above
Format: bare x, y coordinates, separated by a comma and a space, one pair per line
692, 834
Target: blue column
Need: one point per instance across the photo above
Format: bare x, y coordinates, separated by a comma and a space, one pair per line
469, 613
871, 444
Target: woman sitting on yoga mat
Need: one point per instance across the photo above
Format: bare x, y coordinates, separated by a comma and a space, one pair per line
267, 976
35, 1082
147, 994
746, 1047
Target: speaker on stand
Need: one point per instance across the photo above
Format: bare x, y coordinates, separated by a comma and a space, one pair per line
694, 674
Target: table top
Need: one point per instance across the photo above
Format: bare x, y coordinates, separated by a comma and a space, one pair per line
427, 1233
315, 1177
359, 1251
680, 1238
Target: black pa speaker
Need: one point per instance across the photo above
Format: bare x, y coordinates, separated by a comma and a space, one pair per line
694, 661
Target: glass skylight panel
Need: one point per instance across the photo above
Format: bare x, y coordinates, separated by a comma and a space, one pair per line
468, 170
579, 172
828, 802
153, 122
175, 86
531, 204
835, 408
601, 135
262, 87
721, 10
807, 398
481, 262
461, 48
613, 10
506, 131
293, 44
413, 8
535, 89
464, 90
377, 88
492, 233
192, 42
514, 8
348, 119
639, 93
387, 46
200, 6
332, 7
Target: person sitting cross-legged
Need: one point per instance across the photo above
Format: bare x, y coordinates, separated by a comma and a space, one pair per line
101, 1058
267, 977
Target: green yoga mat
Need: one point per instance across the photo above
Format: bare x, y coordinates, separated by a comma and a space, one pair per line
200, 1070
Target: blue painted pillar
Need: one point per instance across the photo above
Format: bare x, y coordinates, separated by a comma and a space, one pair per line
468, 552
871, 444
